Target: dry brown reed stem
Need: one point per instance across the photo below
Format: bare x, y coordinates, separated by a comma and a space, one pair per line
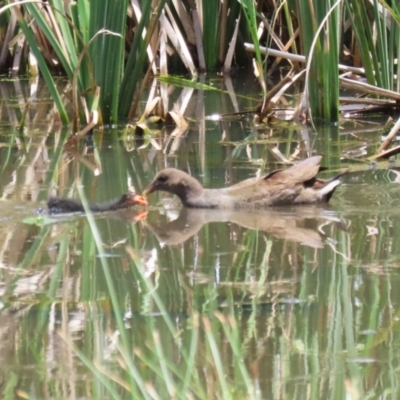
367, 100
231, 49
151, 48
199, 39
297, 58
367, 88
392, 134
386, 154
186, 20
9, 35
285, 49
134, 106
92, 123
174, 34
267, 104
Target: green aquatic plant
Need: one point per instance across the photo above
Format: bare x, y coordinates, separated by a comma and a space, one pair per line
105, 47
88, 39
320, 36
376, 27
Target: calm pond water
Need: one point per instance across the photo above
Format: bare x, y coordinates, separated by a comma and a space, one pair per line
286, 303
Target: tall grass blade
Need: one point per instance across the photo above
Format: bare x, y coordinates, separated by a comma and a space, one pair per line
104, 380
211, 32
134, 64
216, 357
44, 69
111, 289
50, 36
322, 52
108, 54
249, 11
377, 39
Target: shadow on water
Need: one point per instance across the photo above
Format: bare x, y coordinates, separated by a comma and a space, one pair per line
297, 302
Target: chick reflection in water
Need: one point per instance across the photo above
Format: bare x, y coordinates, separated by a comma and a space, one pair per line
282, 223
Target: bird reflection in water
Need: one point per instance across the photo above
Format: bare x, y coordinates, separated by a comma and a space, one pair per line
301, 224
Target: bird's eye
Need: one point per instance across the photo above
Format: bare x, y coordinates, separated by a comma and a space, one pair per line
162, 178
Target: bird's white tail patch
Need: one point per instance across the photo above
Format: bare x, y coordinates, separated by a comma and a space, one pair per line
329, 187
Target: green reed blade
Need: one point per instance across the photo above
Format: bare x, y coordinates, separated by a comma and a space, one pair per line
320, 35
66, 31
381, 47
136, 62
211, 28
54, 42
80, 19
104, 380
186, 83
216, 357
363, 32
108, 51
45, 71
249, 11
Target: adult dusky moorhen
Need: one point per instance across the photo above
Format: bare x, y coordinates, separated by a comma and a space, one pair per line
297, 184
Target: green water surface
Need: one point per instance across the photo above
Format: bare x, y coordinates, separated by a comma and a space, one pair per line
287, 303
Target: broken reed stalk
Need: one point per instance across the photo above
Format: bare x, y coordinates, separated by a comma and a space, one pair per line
298, 58
367, 88
385, 154
392, 134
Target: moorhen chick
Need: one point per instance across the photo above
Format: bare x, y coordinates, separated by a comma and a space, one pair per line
58, 205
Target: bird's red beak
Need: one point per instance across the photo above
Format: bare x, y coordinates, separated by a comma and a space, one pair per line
141, 200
